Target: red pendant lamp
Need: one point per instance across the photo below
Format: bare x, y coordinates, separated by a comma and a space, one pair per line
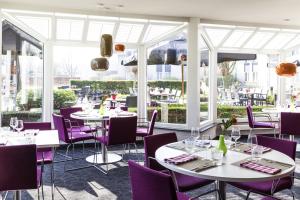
119, 48
286, 69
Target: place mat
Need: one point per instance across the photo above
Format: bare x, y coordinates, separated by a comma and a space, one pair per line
177, 145
263, 165
246, 148
198, 164
183, 158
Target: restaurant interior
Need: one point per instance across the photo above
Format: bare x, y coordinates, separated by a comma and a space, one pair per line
149, 100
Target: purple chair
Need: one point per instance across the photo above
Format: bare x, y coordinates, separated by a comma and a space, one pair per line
121, 131
183, 182
75, 124
69, 136
18, 168
288, 123
142, 132
267, 187
254, 124
148, 184
44, 155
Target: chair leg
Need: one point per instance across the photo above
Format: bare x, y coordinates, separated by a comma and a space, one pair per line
248, 194
52, 180
293, 194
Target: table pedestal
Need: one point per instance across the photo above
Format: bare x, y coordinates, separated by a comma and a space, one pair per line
100, 159
221, 186
17, 195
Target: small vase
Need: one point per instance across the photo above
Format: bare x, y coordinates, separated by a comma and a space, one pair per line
222, 145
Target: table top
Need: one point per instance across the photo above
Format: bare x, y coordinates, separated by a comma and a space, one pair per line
227, 171
276, 110
95, 116
43, 139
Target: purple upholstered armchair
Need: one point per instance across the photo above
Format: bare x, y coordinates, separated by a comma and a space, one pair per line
142, 132
184, 182
148, 184
289, 124
69, 136
19, 170
75, 124
255, 124
268, 187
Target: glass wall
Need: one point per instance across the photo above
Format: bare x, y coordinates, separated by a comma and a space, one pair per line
75, 83
21, 75
246, 82
204, 80
166, 80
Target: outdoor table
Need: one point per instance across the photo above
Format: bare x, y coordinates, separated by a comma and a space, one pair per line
103, 157
227, 172
44, 139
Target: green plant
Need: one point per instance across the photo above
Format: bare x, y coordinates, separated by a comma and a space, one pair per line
63, 97
27, 99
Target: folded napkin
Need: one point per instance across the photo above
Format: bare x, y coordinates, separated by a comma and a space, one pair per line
264, 150
180, 159
260, 167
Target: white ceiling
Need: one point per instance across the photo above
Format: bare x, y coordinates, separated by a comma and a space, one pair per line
253, 11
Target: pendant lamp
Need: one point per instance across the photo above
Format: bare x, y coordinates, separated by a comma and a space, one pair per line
106, 45
99, 64
119, 48
286, 69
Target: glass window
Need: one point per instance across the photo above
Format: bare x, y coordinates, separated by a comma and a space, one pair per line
96, 29
216, 35
280, 40
258, 40
129, 33
68, 29
22, 75
42, 25
237, 38
154, 31
246, 82
166, 80
80, 85
293, 43
204, 80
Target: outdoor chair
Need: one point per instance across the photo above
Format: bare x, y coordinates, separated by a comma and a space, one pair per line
70, 137
148, 184
19, 169
121, 131
183, 182
131, 101
44, 155
146, 131
271, 187
255, 124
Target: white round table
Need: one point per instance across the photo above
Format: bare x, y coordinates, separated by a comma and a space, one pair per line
103, 157
226, 172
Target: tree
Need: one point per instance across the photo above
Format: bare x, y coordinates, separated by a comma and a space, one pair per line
69, 69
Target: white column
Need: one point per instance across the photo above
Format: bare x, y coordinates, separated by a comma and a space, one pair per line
193, 84
142, 81
48, 82
213, 85
0, 69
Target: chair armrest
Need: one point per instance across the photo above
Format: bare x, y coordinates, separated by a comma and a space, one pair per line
261, 114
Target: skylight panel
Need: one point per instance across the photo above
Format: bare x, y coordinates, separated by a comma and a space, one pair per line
279, 41
129, 33
154, 31
68, 29
216, 36
42, 25
237, 38
293, 43
258, 40
96, 29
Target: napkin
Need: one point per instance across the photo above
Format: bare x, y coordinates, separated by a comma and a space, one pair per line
181, 159
264, 150
260, 167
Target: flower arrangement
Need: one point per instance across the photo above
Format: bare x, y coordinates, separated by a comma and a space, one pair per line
227, 123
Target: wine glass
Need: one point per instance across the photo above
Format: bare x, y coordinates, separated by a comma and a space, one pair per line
256, 149
13, 123
235, 134
195, 133
19, 125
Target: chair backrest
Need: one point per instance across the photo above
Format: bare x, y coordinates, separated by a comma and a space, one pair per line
149, 184
59, 125
18, 167
152, 143
152, 123
250, 116
284, 146
131, 101
122, 130
289, 123
37, 125
66, 113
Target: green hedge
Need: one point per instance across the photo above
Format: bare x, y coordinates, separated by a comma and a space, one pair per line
24, 115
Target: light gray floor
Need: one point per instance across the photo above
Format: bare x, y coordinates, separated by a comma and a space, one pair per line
90, 184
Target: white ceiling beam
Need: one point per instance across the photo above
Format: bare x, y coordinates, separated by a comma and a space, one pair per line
115, 31
269, 40
287, 43
225, 38
88, 44
140, 40
249, 38
85, 30
53, 28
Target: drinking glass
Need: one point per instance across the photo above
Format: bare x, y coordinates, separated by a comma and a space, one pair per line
19, 125
13, 123
189, 144
195, 133
217, 156
256, 149
235, 134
